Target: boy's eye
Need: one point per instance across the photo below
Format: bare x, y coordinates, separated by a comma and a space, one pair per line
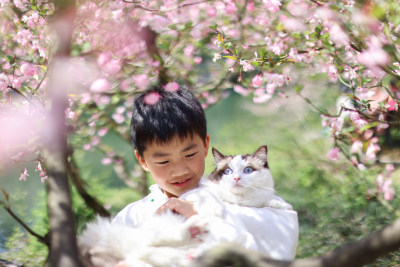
162, 162
191, 155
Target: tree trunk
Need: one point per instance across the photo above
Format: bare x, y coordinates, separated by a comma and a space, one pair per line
63, 247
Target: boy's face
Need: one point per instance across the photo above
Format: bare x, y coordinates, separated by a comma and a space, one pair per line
176, 166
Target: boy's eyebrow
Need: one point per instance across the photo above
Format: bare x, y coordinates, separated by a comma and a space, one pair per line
162, 154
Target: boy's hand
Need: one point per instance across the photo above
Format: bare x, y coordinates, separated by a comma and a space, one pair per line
180, 206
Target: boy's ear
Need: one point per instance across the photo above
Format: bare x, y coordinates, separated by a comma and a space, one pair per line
141, 161
206, 144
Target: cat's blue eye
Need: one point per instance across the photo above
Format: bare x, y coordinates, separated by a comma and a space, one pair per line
228, 171
248, 170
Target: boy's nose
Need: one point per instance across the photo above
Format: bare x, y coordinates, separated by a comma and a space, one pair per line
180, 170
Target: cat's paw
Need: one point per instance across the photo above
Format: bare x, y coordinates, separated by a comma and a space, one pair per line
197, 227
279, 204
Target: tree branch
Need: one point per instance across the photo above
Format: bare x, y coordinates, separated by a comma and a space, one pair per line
78, 182
42, 239
355, 254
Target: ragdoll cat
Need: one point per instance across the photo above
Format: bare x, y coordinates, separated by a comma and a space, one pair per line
245, 180
168, 239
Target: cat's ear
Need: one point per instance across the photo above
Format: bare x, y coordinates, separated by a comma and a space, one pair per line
261, 153
218, 156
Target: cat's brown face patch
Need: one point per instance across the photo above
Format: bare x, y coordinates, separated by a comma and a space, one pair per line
221, 166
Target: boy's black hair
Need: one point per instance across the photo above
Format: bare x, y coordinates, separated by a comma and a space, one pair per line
174, 114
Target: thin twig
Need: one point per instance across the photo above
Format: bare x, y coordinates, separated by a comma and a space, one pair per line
42, 239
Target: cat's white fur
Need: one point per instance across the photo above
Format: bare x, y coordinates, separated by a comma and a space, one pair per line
168, 239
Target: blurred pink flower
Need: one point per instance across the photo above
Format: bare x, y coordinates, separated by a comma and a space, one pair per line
272, 5
374, 56
385, 187
106, 161
334, 153
23, 175
257, 81
197, 60
102, 131
103, 58
230, 8
113, 66
212, 12
172, 86
141, 81
356, 147
392, 105
118, 118
241, 90
152, 98
100, 86
250, 6
28, 69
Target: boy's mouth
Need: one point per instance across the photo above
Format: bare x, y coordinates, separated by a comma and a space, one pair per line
182, 183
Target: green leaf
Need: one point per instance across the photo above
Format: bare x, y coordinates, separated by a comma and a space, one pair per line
298, 88
369, 126
188, 25
231, 57
213, 27
172, 26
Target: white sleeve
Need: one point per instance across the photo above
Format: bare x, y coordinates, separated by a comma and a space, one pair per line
275, 231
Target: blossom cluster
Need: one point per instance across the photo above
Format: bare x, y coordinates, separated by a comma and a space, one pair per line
119, 48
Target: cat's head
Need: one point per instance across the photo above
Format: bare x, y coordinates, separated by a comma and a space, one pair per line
241, 174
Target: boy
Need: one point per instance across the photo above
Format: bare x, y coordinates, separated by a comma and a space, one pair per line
171, 142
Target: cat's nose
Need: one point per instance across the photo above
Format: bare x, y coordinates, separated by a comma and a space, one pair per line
237, 179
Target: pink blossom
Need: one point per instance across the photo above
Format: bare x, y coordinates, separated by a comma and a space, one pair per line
385, 187
152, 98
197, 60
334, 153
332, 72
230, 8
87, 146
106, 161
118, 118
356, 147
172, 86
3, 86
250, 6
389, 168
360, 123
374, 56
28, 69
16, 82
241, 90
141, 81
212, 12
23, 175
338, 36
102, 131
113, 66
95, 141
257, 81
103, 58
188, 50
272, 5
216, 57
262, 98
100, 86
372, 149
392, 105
246, 65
